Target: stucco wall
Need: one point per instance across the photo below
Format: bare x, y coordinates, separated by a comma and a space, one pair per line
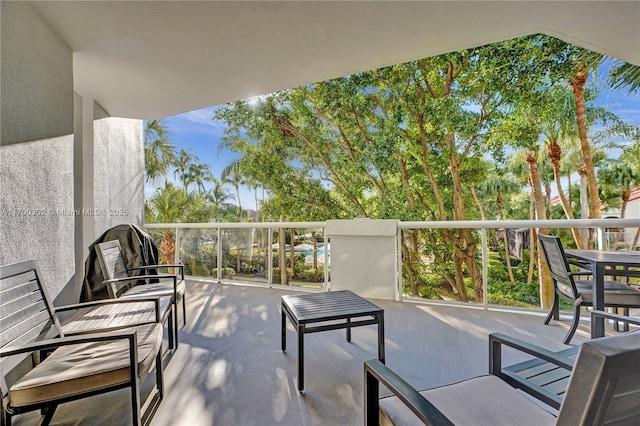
36, 77
36, 156
118, 173
36, 198
44, 163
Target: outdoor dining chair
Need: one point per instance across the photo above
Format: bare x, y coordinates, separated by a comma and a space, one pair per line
122, 282
579, 292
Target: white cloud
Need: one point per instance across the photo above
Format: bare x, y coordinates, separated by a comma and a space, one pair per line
197, 121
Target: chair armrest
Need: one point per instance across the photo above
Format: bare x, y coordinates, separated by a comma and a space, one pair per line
52, 344
86, 305
142, 277
376, 372
76, 306
580, 273
496, 340
512, 374
181, 267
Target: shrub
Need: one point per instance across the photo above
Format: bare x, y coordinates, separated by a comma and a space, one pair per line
226, 273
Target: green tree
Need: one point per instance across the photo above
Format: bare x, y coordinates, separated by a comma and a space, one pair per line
159, 152
181, 167
218, 196
198, 174
403, 141
232, 174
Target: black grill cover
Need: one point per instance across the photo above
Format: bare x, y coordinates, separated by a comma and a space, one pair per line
137, 247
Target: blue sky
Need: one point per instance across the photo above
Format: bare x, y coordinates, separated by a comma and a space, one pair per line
199, 134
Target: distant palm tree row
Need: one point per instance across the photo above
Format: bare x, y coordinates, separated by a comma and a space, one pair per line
194, 194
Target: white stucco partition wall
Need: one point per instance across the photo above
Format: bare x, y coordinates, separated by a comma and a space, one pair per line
363, 256
36, 146
118, 173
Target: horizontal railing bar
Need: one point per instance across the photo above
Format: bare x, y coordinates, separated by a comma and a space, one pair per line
452, 224
557, 223
236, 225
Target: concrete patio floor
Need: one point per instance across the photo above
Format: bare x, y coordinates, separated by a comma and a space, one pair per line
229, 369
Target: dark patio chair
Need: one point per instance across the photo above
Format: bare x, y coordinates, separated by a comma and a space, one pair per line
42, 365
579, 292
123, 282
603, 389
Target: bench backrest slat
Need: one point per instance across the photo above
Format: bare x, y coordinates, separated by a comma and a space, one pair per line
111, 260
26, 313
113, 266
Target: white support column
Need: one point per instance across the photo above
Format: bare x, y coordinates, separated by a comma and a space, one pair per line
83, 169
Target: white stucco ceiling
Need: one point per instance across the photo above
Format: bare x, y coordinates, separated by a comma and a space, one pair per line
144, 59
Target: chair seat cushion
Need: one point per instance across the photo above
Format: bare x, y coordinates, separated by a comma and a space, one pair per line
156, 289
615, 293
77, 369
486, 400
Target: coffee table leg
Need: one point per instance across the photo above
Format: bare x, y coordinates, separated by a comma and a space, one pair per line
381, 337
283, 332
300, 357
348, 329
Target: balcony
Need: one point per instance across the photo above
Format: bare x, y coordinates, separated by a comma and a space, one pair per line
368, 256
229, 369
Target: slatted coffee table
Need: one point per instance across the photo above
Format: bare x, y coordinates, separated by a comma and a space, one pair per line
337, 310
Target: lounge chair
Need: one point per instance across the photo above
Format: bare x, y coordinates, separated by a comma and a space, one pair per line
603, 388
43, 366
124, 282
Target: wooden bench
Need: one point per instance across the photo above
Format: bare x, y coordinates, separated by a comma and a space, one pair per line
44, 364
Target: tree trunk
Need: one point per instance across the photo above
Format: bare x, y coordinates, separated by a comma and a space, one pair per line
577, 83
460, 288
167, 248
636, 238
282, 257
555, 154
238, 255
584, 206
292, 232
532, 243
546, 286
505, 237
315, 254
465, 243
413, 259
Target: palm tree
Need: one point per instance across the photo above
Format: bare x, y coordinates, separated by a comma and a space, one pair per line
168, 204
624, 76
181, 167
558, 128
621, 76
218, 195
198, 173
497, 185
577, 83
233, 176
159, 152
618, 178
546, 287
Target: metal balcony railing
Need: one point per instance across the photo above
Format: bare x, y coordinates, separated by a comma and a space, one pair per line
222, 239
